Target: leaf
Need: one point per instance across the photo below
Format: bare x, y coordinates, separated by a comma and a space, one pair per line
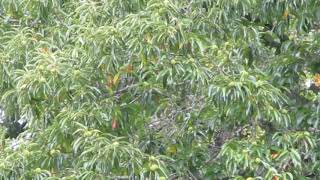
129, 68
110, 79
172, 149
295, 157
275, 178
114, 124
116, 79
285, 14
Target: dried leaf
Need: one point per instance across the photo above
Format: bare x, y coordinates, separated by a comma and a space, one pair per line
114, 124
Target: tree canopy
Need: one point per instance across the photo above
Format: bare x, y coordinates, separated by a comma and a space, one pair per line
160, 89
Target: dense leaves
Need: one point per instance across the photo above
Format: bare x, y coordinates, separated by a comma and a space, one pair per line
160, 89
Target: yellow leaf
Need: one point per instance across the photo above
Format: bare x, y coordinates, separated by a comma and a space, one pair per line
116, 79
102, 66
34, 39
148, 38
172, 149
44, 50
110, 81
143, 59
285, 14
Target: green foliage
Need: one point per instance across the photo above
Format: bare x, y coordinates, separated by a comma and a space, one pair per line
160, 89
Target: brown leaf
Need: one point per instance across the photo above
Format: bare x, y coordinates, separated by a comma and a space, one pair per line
274, 155
129, 68
114, 124
44, 50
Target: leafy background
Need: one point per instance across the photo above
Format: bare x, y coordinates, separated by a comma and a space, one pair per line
160, 89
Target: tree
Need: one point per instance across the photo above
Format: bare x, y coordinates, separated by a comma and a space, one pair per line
160, 89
